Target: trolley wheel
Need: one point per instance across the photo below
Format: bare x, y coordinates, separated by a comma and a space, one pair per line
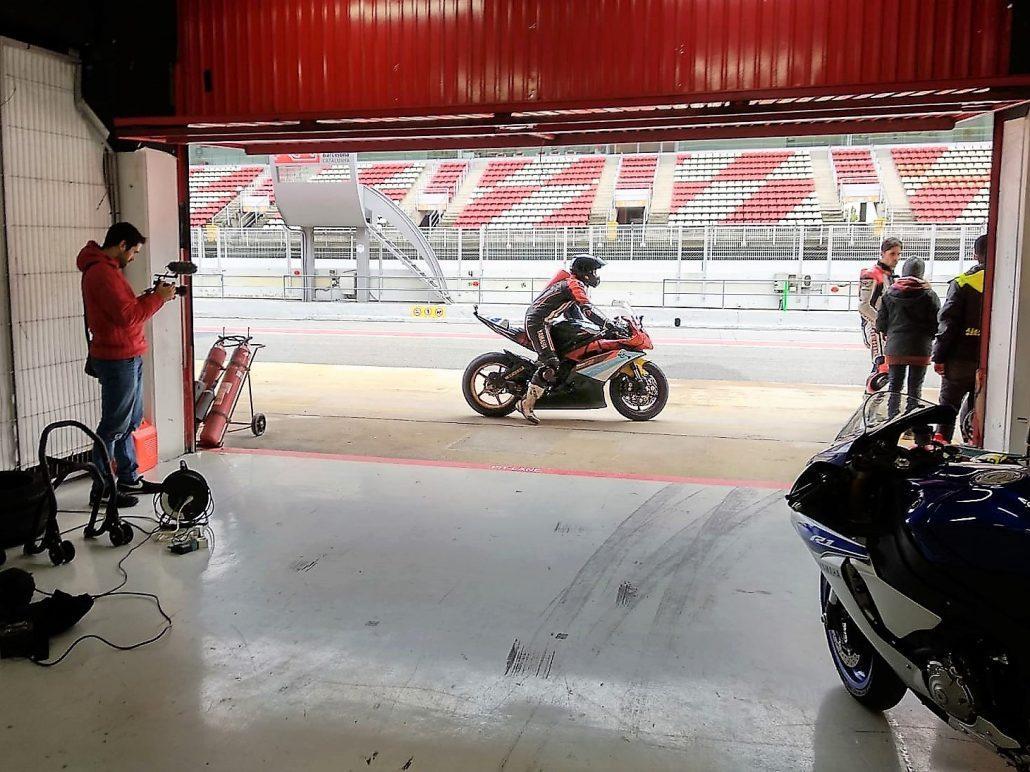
127, 533
116, 534
61, 552
258, 424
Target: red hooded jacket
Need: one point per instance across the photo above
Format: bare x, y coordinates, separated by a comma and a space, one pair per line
114, 313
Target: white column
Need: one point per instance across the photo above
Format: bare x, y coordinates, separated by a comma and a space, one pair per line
149, 200
307, 262
1007, 399
362, 260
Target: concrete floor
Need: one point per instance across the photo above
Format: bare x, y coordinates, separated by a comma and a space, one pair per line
709, 429
358, 616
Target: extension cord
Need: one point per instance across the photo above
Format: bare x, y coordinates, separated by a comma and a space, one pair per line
188, 546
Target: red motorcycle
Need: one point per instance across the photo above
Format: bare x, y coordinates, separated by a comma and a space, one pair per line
493, 383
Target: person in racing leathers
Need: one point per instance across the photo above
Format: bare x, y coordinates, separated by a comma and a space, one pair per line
566, 292
872, 284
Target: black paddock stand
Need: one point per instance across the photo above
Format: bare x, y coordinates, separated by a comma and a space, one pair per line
55, 472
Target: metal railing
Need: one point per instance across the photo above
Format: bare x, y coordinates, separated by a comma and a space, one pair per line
688, 248
786, 294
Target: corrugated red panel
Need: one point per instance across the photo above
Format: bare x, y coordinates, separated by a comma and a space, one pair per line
289, 57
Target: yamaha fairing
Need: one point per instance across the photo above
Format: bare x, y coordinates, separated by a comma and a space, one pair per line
925, 561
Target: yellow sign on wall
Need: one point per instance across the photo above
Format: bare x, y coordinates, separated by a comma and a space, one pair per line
429, 312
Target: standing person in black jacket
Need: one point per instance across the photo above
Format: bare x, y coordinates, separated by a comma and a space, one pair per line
908, 317
956, 351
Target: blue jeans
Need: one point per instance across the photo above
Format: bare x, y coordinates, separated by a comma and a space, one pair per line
121, 411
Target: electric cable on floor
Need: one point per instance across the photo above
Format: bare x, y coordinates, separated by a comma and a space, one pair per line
117, 591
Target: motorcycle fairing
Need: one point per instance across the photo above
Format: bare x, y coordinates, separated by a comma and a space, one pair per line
603, 366
832, 567
822, 541
505, 329
577, 393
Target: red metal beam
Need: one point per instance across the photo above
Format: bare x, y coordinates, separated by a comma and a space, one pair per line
980, 400
1010, 86
503, 125
188, 377
300, 142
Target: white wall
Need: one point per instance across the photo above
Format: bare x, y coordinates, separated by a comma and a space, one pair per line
148, 197
1007, 403
54, 201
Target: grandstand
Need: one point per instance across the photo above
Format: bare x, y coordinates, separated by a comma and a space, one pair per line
446, 179
636, 172
945, 184
525, 193
854, 166
935, 183
743, 187
213, 188
393, 179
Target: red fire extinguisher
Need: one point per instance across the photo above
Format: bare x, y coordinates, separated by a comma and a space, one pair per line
204, 389
217, 420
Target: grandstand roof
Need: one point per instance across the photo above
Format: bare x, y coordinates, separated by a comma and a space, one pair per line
384, 76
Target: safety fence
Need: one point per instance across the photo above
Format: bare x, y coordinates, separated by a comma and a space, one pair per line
789, 294
692, 249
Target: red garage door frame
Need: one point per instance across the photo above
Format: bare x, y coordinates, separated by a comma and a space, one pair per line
286, 76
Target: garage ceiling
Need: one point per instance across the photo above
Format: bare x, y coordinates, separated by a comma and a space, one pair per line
372, 75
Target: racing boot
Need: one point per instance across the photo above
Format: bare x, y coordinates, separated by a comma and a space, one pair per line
525, 405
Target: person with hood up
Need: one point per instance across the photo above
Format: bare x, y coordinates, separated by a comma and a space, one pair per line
115, 316
908, 318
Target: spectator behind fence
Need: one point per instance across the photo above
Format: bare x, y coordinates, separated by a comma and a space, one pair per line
908, 318
956, 351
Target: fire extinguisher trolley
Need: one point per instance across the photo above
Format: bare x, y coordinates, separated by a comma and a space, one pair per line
220, 386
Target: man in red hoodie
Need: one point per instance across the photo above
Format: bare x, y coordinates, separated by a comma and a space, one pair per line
115, 316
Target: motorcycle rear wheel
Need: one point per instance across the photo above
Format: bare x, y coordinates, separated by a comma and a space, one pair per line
480, 394
864, 673
637, 406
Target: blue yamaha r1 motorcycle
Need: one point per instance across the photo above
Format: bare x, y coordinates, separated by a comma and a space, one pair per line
925, 561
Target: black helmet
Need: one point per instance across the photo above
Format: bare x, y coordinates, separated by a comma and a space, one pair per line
585, 267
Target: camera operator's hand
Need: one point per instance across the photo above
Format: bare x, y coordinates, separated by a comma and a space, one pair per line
165, 291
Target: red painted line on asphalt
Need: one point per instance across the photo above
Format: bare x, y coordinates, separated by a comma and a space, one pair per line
807, 344
440, 464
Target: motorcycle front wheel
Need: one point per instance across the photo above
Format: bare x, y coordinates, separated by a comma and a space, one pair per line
640, 401
864, 673
484, 388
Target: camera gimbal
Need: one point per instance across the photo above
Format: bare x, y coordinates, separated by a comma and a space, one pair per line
176, 268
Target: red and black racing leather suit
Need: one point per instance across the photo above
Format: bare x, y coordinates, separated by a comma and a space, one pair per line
564, 293
873, 283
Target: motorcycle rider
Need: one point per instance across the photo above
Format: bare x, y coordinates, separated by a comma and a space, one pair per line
872, 284
566, 292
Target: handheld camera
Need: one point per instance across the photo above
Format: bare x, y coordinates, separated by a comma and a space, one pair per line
176, 268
